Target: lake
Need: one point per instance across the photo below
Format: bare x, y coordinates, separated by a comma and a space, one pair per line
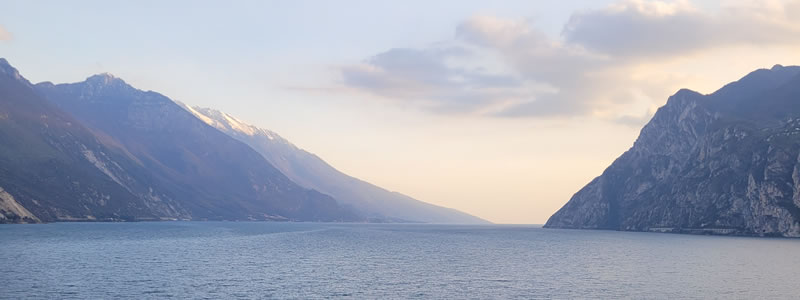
222, 260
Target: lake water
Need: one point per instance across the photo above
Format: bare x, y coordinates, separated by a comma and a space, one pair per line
221, 260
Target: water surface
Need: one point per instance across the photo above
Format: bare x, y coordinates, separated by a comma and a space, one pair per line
310, 260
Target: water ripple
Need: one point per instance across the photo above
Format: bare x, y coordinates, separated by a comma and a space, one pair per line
208, 260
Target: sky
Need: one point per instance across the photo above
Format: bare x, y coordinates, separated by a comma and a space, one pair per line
501, 109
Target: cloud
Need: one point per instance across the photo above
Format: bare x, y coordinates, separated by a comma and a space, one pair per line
428, 78
534, 56
638, 28
4, 34
597, 67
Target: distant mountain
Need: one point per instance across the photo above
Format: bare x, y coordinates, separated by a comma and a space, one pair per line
724, 163
312, 172
208, 174
103, 150
52, 168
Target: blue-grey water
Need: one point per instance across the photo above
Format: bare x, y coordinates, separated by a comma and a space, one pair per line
221, 260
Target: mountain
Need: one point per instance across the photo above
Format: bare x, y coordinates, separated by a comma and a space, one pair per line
724, 163
207, 173
312, 172
52, 168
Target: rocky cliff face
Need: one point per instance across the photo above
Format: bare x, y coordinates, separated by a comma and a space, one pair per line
52, 168
724, 163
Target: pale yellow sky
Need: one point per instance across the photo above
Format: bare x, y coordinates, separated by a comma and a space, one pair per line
521, 170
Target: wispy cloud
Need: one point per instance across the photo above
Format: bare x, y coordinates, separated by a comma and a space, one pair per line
433, 78
506, 67
4, 34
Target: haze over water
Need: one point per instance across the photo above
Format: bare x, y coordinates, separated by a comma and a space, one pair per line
312, 260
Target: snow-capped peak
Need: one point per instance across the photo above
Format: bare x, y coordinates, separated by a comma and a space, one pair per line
227, 123
197, 114
222, 121
237, 125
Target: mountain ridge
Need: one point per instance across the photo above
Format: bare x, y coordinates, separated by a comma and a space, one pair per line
57, 170
161, 154
212, 175
310, 171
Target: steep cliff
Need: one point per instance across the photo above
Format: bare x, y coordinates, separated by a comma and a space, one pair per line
52, 168
724, 163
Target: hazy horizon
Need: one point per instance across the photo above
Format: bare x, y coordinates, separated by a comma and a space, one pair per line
500, 110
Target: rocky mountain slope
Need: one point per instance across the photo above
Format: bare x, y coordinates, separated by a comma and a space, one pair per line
724, 163
211, 175
52, 168
312, 172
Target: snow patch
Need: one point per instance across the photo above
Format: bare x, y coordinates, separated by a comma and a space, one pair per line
237, 125
231, 125
196, 113
202, 117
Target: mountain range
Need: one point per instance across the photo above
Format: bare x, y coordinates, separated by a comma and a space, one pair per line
722, 163
102, 150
